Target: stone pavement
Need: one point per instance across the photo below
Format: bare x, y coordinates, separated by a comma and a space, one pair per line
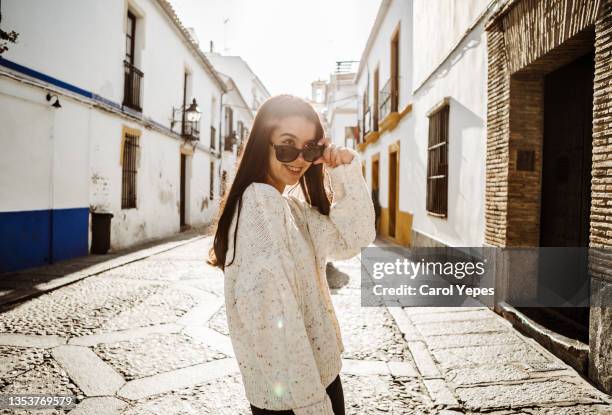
148, 336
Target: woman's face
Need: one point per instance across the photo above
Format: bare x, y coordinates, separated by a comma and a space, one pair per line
296, 131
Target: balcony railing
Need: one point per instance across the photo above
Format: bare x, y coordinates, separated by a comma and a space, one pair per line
131, 86
385, 100
230, 140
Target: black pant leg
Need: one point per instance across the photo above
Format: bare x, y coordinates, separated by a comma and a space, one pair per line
258, 411
336, 395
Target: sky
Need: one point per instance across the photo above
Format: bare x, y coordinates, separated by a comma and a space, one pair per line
287, 43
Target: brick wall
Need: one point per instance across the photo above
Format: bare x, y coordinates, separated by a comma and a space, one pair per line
600, 364
525, 41
498, 91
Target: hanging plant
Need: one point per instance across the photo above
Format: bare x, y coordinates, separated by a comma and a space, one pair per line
6, 37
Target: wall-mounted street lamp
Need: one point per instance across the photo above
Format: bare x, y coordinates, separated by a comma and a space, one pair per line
193, 113
56, 104
189, 120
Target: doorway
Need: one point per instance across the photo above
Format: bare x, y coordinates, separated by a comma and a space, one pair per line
376, 187
183, 190
566, 193
392, 192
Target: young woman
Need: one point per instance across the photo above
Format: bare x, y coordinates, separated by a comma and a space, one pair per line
273, 248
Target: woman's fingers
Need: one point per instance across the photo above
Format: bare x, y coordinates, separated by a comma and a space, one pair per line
324, 140
332, 155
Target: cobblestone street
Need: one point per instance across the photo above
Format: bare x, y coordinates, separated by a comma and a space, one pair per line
150, 337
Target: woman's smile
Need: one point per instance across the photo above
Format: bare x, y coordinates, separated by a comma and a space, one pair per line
295, 171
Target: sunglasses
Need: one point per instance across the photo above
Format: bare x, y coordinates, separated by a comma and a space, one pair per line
286, 153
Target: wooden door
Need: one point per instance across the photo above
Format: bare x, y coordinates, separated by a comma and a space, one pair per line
182, 203
393, 168
566, 181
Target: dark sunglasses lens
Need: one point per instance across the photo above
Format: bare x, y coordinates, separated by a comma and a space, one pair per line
286, 154
310, 154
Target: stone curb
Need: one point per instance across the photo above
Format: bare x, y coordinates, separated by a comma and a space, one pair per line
19, 295
435, 384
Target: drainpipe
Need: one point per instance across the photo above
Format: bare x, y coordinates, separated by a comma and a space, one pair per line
221, 140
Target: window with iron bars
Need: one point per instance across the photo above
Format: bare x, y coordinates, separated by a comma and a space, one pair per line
129, 171
437, 163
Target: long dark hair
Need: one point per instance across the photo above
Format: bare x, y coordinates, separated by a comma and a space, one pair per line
253, 165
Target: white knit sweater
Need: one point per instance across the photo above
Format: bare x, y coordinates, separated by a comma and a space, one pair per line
281, 318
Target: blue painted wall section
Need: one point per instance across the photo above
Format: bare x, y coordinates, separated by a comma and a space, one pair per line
38, 237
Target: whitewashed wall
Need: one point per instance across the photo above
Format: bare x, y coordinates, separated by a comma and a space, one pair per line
250, 87
463, 78
69, 157
438, 26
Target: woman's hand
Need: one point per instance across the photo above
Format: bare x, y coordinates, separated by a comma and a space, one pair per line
334, 155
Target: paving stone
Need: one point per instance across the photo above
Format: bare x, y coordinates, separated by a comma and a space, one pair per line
212, 283
403, 369
364, 367
413, 311
158, 269
203, 312
376, 395
462, 327
165, 306
156, 353
453, 316
177, 379
473, 339
87, 370
423, 360
100, 406
486, 374
548, 392
15, 361
383, 341
212, 338
24, 340
122, 335
571, 410
482, 355
45, 378
440, 393
220, 396
404, 324
218, 321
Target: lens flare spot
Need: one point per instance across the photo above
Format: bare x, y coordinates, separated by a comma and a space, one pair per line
279, 389
279, 323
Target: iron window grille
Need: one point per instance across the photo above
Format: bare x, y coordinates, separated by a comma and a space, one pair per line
129, 171
437, 162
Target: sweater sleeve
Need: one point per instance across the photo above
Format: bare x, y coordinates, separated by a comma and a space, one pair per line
351, 221
272, 316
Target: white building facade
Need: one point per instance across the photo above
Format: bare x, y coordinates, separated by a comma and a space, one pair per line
423, 120
341, 109
384, 87
245, 94
93, 101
